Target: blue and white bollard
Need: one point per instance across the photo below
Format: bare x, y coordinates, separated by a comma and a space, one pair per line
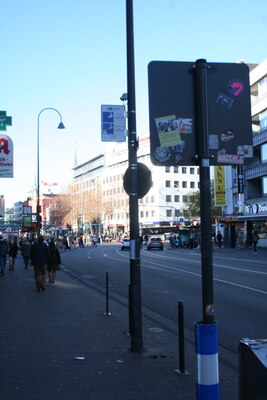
207, 360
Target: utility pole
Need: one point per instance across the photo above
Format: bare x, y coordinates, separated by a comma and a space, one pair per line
135, 304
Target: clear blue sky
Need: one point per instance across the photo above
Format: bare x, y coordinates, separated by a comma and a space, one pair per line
71, 55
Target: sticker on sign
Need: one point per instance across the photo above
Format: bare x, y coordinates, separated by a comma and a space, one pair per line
230, 158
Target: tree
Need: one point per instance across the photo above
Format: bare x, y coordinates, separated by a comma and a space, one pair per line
192, 209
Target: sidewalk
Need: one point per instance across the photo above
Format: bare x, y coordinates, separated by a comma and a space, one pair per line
43, 333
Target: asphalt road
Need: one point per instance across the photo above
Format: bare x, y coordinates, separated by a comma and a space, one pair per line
240, 288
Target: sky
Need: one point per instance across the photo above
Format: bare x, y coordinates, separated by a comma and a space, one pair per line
71, 55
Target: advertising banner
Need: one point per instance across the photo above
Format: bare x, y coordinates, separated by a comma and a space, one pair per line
219, 189
6, 156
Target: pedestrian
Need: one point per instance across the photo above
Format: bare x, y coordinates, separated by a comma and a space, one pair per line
39, 255
219, 239
25, 251
3, 255
12, 252
255, 239
53, 262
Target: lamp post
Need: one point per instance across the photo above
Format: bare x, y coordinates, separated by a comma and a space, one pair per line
60, 126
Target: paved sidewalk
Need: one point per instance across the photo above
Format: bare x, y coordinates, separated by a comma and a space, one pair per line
59, 345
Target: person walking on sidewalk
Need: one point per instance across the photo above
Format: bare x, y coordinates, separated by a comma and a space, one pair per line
25, 251
53, 262
13, 251
219, 239
3, 255
39, 255
255, 239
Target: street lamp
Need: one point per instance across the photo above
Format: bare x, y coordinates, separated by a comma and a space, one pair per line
60, 126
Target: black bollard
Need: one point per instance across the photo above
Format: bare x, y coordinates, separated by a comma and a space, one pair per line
107, 295
181, 370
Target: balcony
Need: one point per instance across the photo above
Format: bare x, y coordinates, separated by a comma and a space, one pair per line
256, 170
260, 137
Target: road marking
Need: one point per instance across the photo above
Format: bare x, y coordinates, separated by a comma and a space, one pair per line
214, 264
164, 268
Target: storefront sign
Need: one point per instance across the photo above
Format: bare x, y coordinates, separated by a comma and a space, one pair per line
256, 208
240, 179
6, 157
219, 190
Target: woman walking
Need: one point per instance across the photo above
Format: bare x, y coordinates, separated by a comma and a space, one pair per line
39, 255
53, 262
25, 251
13, 251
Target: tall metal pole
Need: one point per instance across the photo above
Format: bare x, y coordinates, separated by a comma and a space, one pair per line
205, 193
206, 330
135, 304
60, 126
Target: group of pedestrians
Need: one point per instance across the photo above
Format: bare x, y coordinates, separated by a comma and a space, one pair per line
44, 258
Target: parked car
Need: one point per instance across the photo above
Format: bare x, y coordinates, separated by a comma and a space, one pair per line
125, 244
155, 243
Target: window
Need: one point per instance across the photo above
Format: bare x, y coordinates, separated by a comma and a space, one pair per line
167, 183
168, 198
152, 199
167, 169
183, 170
192, 171
184, 184
176, 184
198, 171
177, 213
175, 170
141, 214
192, 185
153, 213
184, 199
168, 213
176, 198
147, 214
264, 152
264, 185
198, 184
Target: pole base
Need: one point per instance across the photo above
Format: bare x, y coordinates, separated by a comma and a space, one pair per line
177, 371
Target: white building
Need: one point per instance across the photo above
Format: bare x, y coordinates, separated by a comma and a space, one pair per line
164, 203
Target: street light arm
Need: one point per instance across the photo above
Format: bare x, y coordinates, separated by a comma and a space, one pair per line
60, 126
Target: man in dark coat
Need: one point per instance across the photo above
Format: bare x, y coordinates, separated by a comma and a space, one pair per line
3, 255
39, 258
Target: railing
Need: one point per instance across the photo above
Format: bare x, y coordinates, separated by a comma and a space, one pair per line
260, 136
256, 170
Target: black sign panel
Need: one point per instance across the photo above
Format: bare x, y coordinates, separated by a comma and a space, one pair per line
172, 113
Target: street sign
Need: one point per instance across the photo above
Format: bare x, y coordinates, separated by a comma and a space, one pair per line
4, 121
113, 123
27, 210
6, 157
172, 108
144, 177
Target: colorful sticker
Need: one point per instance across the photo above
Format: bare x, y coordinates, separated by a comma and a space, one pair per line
235, 87
162, 154
246, 150
227, 136
167, 130
230, 158
225, 101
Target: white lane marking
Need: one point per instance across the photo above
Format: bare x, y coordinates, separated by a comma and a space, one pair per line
169, 269
214, 264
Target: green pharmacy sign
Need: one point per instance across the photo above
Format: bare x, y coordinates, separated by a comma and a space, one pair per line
4, 121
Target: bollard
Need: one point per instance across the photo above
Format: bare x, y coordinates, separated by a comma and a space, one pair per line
181, 370
207, 360
107, 295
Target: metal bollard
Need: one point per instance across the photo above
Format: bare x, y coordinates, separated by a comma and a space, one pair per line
107, 295
181, 370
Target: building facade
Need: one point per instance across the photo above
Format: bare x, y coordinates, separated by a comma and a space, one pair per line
246, 208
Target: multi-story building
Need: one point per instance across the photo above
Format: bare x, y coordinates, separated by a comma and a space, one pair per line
162, 206
248, 211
